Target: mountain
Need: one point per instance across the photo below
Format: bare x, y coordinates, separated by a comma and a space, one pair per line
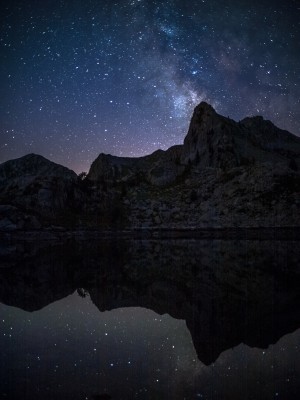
212, 141
32, 166
33, 190
219, 142
225, 174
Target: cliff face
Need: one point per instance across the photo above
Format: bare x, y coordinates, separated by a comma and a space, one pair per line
210, 140
225, 174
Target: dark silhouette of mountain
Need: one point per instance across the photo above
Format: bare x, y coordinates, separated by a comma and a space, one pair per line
212, 141
220, 142
34, 190
32, 166
228, 292
225, 174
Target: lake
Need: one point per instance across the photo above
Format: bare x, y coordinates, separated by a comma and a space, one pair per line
150, 319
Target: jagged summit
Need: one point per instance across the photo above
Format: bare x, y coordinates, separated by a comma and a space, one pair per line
209, 137
205, 107
220, 142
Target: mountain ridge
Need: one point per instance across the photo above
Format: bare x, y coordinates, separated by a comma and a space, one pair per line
225, 174
216, 141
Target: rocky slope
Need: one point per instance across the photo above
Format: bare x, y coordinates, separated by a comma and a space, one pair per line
225, 174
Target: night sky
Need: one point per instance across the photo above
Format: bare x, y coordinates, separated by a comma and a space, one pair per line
83, 77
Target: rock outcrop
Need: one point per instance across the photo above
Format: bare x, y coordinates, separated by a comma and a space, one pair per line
225, 174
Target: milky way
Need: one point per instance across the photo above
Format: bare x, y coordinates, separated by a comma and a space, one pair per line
83, 77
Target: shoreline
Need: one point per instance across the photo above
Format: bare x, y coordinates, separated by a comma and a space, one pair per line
230, 233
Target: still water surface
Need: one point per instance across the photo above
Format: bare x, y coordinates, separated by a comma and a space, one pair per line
180, 319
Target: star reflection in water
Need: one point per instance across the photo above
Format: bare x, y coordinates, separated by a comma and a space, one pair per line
150, 319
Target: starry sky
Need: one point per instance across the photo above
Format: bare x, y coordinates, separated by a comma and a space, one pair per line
122, 77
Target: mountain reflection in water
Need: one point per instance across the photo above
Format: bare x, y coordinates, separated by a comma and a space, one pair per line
188, 319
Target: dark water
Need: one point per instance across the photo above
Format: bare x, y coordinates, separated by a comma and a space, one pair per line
181, 319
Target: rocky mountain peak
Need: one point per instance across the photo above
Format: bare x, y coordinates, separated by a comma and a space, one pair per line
204, 116
220, 142
205, 108
209, 141
213, 141
31, 186
269, 137
33, 165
